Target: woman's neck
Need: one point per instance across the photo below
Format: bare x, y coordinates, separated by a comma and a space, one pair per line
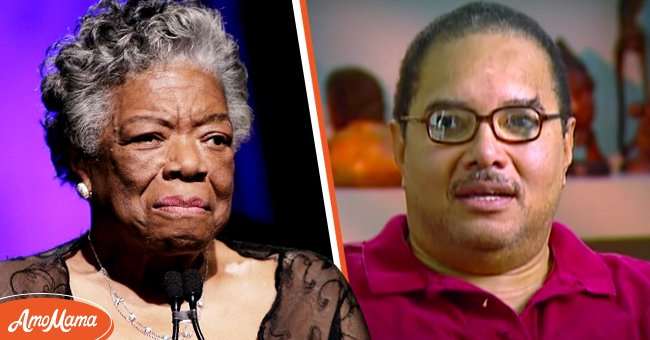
514, 287
142, 269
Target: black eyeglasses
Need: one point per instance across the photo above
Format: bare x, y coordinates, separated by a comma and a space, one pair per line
515, 124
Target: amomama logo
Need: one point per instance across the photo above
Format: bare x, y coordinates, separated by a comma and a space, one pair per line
41, 316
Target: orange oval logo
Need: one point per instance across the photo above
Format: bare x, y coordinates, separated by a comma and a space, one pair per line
38, 316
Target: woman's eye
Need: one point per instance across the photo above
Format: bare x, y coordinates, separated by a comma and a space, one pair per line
221, 140
148, 138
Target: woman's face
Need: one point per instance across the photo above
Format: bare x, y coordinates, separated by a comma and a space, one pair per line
165, 174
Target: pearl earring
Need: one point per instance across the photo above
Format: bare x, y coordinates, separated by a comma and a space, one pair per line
83, 191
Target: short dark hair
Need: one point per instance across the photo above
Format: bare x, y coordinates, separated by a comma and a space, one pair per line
473, 18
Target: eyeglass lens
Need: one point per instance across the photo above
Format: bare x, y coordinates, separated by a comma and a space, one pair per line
458, 125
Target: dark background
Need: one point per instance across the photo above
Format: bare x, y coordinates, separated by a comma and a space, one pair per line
278, 198
282, 133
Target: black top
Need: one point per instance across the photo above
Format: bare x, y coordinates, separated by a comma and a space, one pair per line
313, 301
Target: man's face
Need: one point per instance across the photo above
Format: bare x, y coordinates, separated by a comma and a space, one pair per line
484, 195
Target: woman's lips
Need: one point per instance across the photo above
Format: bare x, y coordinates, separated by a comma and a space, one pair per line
177, 204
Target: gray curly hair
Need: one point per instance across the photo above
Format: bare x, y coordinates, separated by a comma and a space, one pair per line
117, 39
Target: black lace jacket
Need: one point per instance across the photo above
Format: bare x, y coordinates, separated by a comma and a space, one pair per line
314, 301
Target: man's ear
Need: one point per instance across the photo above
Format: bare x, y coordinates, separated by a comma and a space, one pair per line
398, 144
568, 142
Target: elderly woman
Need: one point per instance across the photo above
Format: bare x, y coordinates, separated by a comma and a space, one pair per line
146, 108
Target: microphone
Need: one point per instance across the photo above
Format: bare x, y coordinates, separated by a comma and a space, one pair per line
193, 289
173, 284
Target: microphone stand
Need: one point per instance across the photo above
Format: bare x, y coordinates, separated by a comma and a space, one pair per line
193, 289
195, 320
174, 293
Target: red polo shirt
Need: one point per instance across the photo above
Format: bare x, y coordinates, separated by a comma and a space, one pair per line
587, 295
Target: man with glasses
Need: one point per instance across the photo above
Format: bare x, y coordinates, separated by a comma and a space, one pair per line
483, 135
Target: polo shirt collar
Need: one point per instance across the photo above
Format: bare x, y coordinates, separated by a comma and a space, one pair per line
576, 264
392, 268
389, 262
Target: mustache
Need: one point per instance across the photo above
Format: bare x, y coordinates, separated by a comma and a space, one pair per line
486, 176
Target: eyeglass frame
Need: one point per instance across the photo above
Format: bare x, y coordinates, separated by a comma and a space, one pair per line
480, 119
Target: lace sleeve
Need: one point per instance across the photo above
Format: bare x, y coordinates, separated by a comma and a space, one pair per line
314, 302
350, 323
41, 273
